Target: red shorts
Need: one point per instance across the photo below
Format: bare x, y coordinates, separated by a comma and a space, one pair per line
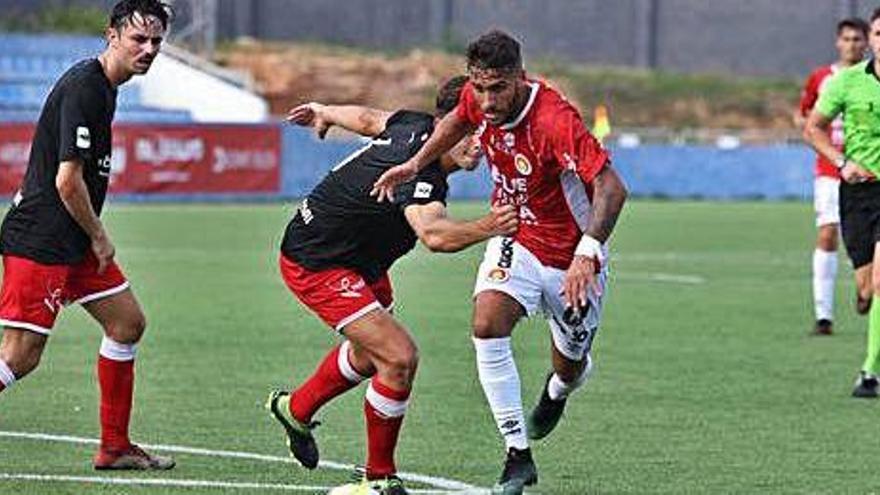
33, 294
337, 295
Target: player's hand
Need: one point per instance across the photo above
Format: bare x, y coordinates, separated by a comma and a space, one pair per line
384, 187
103, 250
503, 220
310, 115
580, 278
854, 173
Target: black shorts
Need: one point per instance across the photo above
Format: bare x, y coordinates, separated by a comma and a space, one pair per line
860, 220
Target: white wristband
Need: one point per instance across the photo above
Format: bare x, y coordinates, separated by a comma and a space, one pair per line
591, 248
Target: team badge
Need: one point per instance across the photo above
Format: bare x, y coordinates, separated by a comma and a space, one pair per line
523, 166
498, 275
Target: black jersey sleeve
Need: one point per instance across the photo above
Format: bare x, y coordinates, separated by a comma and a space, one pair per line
429, 186
79, 116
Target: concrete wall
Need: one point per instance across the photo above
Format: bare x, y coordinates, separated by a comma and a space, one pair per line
755, 37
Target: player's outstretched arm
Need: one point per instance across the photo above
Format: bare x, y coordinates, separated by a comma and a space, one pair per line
439, 233
449, 131
816, 134
365, 121
74, 194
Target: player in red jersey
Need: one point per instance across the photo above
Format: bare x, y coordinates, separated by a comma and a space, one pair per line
545, 162
55, 248
852, 40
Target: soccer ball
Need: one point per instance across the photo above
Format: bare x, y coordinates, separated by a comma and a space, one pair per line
353, 489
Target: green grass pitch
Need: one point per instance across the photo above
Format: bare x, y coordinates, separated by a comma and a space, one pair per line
706, 380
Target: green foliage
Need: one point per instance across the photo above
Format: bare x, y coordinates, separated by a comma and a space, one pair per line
60, 19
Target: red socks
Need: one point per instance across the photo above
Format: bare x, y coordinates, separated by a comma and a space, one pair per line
116, 381
384, 409
334, 376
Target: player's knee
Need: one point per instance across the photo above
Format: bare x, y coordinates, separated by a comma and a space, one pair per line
486, 327
827, 240
23, 361
402, 364
129, 330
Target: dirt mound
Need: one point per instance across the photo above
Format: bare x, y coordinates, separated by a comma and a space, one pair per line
290, 74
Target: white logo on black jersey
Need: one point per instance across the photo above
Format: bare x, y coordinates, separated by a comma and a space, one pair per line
83, 138
423, 190
104, 166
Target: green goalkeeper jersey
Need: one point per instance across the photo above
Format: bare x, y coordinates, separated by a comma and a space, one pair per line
855, 92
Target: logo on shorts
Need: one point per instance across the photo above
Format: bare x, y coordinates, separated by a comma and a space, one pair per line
53, 300
83, 138
506, 258
350, 289
498, 275
523, 166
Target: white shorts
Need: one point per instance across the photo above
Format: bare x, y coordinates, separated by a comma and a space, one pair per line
825, 200
512, 269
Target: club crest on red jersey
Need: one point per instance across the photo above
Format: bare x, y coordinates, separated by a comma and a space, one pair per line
522, 164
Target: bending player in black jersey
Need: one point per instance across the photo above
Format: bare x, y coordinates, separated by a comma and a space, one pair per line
335, 256
55, 248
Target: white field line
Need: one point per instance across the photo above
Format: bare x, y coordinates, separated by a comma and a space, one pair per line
669, 278
185, 483
443, 483
180, 483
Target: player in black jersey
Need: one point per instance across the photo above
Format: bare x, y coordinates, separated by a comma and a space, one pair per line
55, 248
335, 256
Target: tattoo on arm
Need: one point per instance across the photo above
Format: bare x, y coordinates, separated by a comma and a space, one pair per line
609, 194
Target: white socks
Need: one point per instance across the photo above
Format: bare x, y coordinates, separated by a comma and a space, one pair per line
558, 389
500, 381
7, 377
824, 275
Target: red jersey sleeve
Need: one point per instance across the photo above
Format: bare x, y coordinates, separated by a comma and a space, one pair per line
809, 94
574, 147
468, 109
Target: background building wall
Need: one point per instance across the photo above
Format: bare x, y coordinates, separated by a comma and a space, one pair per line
750, 37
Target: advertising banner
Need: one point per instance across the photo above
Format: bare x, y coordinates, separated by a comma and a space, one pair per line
170, 159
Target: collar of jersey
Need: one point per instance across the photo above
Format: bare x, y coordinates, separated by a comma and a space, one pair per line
522, 114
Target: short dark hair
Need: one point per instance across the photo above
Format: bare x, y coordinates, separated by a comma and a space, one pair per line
124, 10
494, 50
449, 94
856, 23
875, 15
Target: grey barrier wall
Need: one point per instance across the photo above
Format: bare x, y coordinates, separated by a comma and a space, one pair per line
753, 37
